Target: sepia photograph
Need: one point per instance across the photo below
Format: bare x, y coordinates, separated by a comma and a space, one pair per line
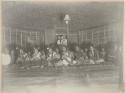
62, 46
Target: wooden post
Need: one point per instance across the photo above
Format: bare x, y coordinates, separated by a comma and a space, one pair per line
86, 35
123, 62
30, 34
68, 32
36, 39
16, 37
104, 37
78, 38
92, 36
4, 37
36, 35
82, 36
44, 38
21, 39
26, 34
98, 38
10, 37
41, 37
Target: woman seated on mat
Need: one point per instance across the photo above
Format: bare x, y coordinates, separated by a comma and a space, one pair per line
67, 57
36, 55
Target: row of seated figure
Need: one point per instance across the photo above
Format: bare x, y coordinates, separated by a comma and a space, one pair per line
61, 57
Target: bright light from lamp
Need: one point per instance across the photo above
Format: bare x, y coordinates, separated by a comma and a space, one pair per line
67, 17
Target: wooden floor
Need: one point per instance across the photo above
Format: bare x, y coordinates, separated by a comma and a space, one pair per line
76, 76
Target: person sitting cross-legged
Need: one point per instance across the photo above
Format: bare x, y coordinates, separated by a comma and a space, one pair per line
93, 55
50, 57
78, 55
67, 57
36, 58
102, 56
56, 57
27, 63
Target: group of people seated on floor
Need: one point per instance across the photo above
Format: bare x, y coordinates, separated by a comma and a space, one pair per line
59, 56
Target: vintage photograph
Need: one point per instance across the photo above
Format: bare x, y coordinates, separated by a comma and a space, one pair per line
62, 45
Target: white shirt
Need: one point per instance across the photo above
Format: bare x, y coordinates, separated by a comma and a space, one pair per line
59, 42
6, 59
64, 42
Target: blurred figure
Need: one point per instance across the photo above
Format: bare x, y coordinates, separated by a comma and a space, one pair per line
66, 57
93, 55
6, 58
43, 59
85, 53
50, 55
78, 55
58, 40
17, 52
56, 57
12, 54
64, 40
57, 54
36, 55
21, 58
27, 63
36, 58
83, 56
102, 54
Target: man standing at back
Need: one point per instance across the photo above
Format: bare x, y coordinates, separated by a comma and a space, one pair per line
64, 40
